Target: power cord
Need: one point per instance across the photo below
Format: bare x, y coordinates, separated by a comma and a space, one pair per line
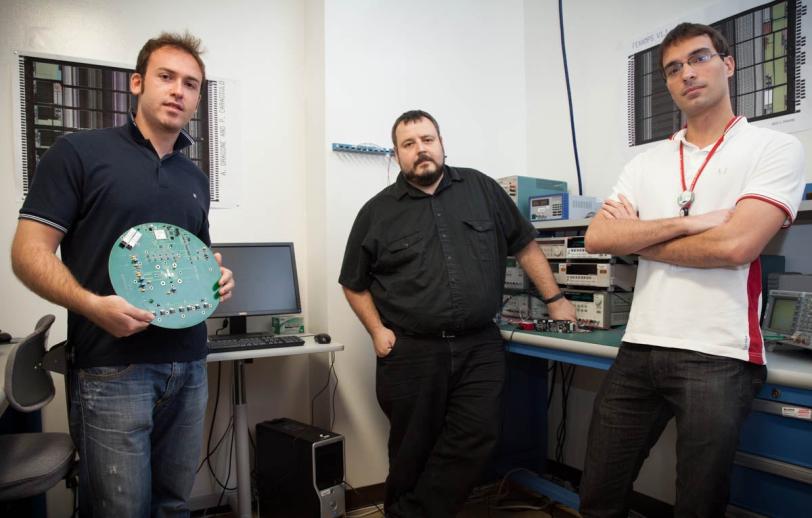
228, 467
569, 95
378, 509
517, 505
567, 375
211, 451
333, 402
554, 370
330, 372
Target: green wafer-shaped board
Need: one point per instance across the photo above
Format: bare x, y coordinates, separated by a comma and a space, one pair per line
168, 271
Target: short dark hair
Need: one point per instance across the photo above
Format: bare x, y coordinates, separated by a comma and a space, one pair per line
684, 31
413, 116
185, 42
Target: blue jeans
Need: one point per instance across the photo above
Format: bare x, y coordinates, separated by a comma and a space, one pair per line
139, 430
710, 396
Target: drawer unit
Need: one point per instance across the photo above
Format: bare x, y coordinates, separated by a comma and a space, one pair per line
768, 494
772, 474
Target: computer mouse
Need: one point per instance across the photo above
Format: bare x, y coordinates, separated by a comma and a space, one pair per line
5, 337
322, 338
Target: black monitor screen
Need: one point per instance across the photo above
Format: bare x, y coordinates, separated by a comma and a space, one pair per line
265, 276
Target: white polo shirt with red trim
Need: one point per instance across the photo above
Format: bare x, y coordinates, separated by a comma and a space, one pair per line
709, 310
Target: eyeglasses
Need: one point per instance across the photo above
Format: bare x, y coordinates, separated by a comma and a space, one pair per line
697, 60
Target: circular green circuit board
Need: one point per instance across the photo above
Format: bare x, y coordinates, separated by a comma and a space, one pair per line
168, 271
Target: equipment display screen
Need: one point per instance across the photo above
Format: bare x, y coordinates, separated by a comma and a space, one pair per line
582, 269
265, 275
576, 242
579, 297
783, 314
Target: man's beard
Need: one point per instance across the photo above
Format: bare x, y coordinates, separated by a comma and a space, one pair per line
428, 177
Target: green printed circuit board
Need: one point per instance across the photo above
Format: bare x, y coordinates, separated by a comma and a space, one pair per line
168, 271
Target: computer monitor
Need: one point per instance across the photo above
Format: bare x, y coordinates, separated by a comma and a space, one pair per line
266, 282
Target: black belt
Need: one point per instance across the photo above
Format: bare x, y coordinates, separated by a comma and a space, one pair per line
444, 333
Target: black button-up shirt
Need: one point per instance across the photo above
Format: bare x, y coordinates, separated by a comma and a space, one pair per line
435, 262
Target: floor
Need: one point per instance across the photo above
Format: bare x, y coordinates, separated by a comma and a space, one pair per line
484, 505
493, 509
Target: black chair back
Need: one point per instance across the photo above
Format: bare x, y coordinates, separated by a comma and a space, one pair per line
28, 385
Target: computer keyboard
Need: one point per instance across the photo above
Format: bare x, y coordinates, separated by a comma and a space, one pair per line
221, 344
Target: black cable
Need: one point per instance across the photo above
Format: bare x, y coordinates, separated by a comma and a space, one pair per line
569, 96
561, 428
213, 418
216, 447
327, 384
379, 508
253, 474
209, 450
567, 372
228, 467
567, 375
333, 398
224, 485
554, 368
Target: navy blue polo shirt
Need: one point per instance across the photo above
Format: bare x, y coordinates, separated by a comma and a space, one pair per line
93, 186
435, 262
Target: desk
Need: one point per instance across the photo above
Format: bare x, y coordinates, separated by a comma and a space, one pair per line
239, 407
789, 382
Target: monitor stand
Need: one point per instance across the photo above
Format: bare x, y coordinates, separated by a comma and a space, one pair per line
237, 325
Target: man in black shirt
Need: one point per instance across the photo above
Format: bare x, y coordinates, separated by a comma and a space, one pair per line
138, 392
424, 270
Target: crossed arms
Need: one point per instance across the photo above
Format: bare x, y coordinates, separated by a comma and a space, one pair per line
718, 239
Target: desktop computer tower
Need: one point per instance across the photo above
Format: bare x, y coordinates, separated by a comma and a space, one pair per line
300, 470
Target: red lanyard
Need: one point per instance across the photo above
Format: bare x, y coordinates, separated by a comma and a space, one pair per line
730, 124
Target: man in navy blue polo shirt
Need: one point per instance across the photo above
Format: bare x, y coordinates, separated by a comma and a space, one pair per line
138, 392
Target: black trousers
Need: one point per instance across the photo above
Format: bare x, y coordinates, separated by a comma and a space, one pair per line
710, 397
442, 397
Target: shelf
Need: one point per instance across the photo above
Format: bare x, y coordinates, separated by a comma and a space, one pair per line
804, 216
559, 224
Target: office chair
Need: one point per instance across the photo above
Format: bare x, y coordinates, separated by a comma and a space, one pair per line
32, 463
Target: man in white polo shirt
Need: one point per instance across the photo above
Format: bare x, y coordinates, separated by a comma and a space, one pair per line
698, 208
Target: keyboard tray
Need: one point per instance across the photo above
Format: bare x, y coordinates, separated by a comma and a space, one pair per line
226, 343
